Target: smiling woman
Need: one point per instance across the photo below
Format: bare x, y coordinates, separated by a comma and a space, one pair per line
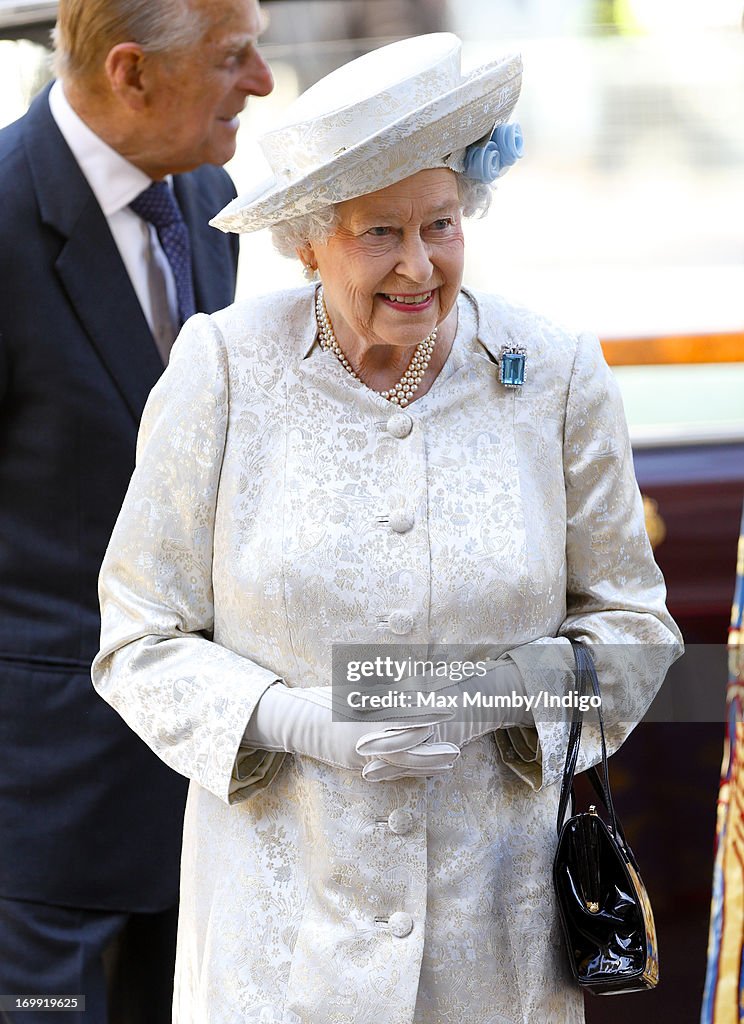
392, 271
382, 457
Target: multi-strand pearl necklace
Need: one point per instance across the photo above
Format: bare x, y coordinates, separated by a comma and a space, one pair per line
407, 386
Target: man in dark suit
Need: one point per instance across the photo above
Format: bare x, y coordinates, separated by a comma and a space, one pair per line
102, 256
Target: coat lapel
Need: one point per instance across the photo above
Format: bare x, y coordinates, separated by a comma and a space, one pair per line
89, 264
214, 270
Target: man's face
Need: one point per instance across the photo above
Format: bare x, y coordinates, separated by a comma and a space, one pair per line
196, 94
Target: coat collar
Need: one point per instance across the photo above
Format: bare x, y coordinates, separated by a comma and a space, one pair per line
309, 334
492, 328
493, 323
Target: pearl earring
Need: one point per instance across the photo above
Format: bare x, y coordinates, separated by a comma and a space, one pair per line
309, 272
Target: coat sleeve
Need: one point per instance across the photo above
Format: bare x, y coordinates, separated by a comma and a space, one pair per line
615, 598
188, 697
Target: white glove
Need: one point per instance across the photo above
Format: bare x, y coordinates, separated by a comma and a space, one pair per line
299, 720
466, 724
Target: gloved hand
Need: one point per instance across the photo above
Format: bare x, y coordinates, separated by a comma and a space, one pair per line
299, 720
502, 680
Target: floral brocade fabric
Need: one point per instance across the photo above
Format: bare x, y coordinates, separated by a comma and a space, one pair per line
256, 534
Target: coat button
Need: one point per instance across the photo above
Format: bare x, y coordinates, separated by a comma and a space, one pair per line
400, 821
400, 522
400, 924
401, 623
400, 424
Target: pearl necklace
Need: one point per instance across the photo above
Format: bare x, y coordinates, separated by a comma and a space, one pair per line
402, 392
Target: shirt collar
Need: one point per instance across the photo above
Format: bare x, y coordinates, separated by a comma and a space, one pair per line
114, 181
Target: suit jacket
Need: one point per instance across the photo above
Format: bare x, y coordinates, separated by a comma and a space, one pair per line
88, 816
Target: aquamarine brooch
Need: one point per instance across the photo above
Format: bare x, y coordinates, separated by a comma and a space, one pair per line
511, 365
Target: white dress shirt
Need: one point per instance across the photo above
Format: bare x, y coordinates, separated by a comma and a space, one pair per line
115, 182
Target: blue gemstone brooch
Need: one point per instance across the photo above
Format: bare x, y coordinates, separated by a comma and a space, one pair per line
511, 365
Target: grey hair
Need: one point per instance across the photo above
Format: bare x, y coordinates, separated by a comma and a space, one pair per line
86, 30
291, 235
475, 196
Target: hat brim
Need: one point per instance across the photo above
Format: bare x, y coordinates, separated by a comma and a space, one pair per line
485, 98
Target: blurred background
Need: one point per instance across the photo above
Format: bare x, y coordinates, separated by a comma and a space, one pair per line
625, 217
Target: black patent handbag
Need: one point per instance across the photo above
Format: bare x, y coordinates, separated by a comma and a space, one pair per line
602, 901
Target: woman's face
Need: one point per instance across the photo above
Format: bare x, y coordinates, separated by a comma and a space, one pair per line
392, 269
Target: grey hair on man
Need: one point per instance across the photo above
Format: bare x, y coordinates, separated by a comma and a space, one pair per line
86, 30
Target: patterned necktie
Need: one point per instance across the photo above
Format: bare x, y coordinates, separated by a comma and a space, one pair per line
157, 205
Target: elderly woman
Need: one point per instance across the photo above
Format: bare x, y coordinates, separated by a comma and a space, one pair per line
380, 457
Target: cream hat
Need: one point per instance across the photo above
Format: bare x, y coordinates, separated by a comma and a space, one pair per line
400, 109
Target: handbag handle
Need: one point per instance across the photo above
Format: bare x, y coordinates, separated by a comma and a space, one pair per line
586, 677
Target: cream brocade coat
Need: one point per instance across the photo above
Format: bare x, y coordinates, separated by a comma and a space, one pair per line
254, 536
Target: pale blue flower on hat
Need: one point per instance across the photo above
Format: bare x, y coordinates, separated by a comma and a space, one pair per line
486, 161
482, 162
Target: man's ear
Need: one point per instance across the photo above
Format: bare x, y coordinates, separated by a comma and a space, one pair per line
125, 72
